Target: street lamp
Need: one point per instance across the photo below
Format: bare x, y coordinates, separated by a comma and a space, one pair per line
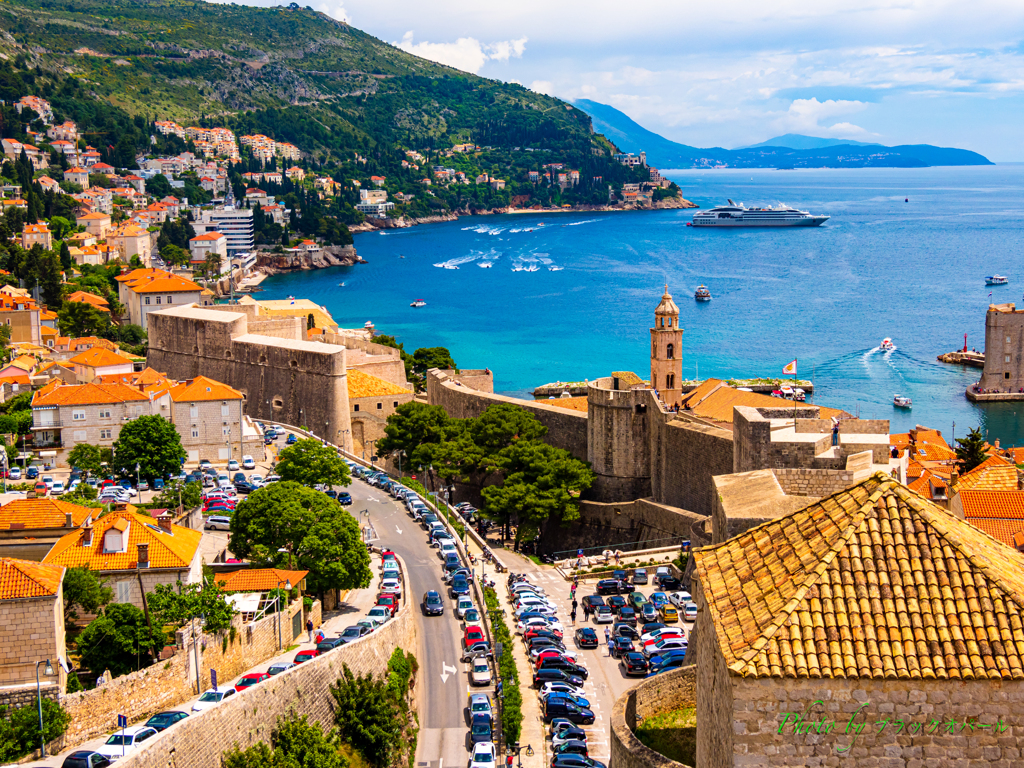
48, 671
287, 586
515, 749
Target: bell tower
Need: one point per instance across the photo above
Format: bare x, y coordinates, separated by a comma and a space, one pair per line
666, 351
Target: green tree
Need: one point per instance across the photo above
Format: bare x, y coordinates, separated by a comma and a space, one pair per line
309, 462
20, 735
415, 428
83, 493
120, 640
90, 458
76, 319
294, 743
426, 358
970, 450
85, 591
174, 254
153, 444
159, 186
367, 716
50, 280
60, 227
189, 494
316, 533
176, 605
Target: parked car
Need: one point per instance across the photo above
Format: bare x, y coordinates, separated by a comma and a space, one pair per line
212, 699
586, 637
344, 498
57, 488
32, 473
218, 523
164, 720
609, 587
125, 741
669, 613
680, 599
15, 474
637, 600
671, 584
604, 615
232, 465
353, 633
379, 613
391, 584
663, 645
568, 733
576, 761
158, 484
690, 612
249, 680
548, 689
634, 663
248, 462
554, 676
85, 758
560, 707
481, 730
627, 615
329, 644
480, 705
625, 630
570, 747
620, 646
483, 755
640, 576
304, 656
279, 667
480, 674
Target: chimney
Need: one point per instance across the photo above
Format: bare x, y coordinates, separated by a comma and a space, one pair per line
87, 535
143, 555
165, 522
68, 520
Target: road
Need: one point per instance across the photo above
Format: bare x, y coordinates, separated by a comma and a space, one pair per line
443, 695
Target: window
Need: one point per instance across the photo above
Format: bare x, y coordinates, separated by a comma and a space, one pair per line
1008, 341
356, 407
124, 591
105, 434
147, 299
1006, 375
195, 431
670, 381
157, 299
105, 413
396, 404
169, 300
380, 406
671, 352
224, 410
80, 436
78, 415
226, 431
1007, 358
193, 411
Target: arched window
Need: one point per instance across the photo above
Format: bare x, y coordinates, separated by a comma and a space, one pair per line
670, 381
671, 352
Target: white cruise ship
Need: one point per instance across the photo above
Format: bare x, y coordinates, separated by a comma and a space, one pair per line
733, 215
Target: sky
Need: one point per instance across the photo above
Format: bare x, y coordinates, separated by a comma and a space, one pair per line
708, 74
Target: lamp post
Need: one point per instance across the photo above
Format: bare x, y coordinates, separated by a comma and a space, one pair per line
515, 749
48, 671
287, 586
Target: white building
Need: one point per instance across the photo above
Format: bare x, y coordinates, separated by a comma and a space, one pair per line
235, 224
148, 290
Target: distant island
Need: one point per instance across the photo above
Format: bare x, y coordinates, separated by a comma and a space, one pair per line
784, 152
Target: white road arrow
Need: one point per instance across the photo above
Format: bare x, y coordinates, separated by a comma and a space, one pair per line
445, 674
399, 530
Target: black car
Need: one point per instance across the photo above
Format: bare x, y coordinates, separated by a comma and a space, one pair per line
594, 601
459, 586
329, 644
616, 603
562, 663
571, 747
634, 663
85, 758
556, 707
570, 731
344, 498
544, 642
620, 646
627, 615
609, 587
575, 761
555, 676
354, 633
625, 630
244, 488
586, 637
433, 605
481, 729
164, 720
671, 585
651, 626
619, 573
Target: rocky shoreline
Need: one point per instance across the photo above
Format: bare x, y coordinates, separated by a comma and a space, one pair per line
271, 263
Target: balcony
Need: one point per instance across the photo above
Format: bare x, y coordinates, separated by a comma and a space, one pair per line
55, 424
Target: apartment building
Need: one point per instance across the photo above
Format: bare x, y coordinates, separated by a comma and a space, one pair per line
36, 233
64, 415
210, 419
201, 246
97, 361
22, 315
234, 223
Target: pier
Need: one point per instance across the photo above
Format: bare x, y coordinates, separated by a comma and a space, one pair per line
971, 359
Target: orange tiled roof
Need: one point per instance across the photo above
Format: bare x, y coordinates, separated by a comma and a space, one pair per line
16, 378
41, 513
202, 388
166, 550
89, 298
871, 582
717, 402
257, 579
98, 357
92, 341
57, 393
364, 385
572, 403
20, 579
166, 283
993, 474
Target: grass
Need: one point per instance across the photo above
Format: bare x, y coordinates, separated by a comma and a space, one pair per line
672, 734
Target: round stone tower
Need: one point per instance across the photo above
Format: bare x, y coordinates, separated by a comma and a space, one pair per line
666, 352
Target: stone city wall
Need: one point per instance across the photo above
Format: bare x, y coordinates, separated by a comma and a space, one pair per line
169, 683
662, 693
618, 441
685, 455
566, 428
814, 482
199, 741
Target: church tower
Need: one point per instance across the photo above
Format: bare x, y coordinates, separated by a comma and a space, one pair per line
666, 351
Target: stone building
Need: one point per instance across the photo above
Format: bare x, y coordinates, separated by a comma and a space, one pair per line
143, 291
65, 415
372, 400
872, 625
667, 351
31, 628
210, 419
130, 550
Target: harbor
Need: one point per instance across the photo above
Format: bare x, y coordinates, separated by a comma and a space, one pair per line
762, 386
972, 359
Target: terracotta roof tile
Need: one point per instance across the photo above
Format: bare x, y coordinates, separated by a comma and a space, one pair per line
257, 579
41, 513
993, 474
166, 550
628, 379
871, 582
202, 388
572, 403
98, 357
364, 385
20, 579
56, 393
715, 400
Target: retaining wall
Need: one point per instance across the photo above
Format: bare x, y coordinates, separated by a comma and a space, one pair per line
671, 690
642, 522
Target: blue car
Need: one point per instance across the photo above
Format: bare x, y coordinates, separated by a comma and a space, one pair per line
33, 473
579, 701
291, 439
158, 484
344, 498
460, 586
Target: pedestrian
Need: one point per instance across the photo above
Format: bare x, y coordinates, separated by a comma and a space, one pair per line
309, 630
608, 636
586, 611
835, 431
572, 592
575, 605
573, 614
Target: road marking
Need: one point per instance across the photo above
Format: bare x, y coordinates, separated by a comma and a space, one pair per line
445, 673
398, 529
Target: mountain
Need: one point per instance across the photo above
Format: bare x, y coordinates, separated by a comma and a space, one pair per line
664, 153
799, 141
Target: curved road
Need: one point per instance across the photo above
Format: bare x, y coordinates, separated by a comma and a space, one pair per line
443, 693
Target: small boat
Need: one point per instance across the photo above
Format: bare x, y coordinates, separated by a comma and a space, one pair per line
418, 303
996, 280
787, 392
401, 256
341, 285
450, 266
555, 269
532, 268
485, 264
887, 345
776, 393
799, 395
702, 293
901, 401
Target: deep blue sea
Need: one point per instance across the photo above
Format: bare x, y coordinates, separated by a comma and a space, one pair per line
913, 271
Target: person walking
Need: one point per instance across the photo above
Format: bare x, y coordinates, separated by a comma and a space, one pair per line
573, 615
575, 605
309, 630
572, 590
586, 611
835, 431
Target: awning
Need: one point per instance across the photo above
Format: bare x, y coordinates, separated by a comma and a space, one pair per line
47, 454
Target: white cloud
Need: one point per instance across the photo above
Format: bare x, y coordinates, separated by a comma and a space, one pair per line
805, 115
334, 9
466, 53
542, 86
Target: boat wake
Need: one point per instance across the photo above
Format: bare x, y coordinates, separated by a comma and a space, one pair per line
579, 223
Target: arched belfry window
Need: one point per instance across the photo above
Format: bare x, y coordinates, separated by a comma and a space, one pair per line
671, 352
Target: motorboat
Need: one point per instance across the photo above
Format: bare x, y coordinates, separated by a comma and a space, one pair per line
996, 280
776, 393
702, 293
555, 269
485, 264
418, 303
887, 345
787, 392
531, 268
901, 401
799, 395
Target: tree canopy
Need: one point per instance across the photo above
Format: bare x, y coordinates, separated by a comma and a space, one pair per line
90, 458
120, 640
85, 591
294, 743
177, 604
316, 533
310, 462
152, 443
970, 450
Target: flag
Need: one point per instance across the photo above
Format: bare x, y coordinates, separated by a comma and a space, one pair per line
790, 369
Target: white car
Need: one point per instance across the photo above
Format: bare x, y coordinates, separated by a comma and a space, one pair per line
273, 477
233, 466
124, 742
680, 599
480, 704
57, 488
481, 673
540, 621
533, 602
661, 646
525, 586
380, 614
657, 634
483, 755
257, 481
690, 612
212, 699
15, 473
391, 584
543, 610
248, 462
446, 547
549, 688
464, 604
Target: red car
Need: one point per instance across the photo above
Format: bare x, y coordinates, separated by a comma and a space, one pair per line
388, 601
472, 635
251, 679
302, 656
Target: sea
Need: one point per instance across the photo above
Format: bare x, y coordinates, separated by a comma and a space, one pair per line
539, 298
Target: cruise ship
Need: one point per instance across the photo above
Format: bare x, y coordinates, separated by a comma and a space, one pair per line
733, 215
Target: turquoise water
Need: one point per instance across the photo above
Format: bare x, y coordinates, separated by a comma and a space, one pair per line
913, 271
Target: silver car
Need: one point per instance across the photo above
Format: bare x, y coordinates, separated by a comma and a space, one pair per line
218, 523
481, 674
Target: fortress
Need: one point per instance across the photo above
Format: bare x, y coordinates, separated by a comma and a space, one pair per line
666, 467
